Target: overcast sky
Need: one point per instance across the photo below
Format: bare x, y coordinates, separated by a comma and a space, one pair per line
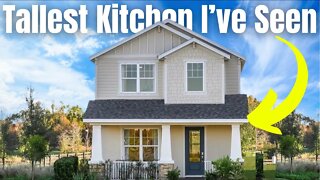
59, 69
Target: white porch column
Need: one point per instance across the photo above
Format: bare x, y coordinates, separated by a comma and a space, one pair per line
96, 153
236, 143
166, 156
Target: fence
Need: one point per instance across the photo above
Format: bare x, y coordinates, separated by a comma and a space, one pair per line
131, 170
48, 160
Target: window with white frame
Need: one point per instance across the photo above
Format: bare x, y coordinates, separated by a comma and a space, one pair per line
195, 76
141, 144
137, 77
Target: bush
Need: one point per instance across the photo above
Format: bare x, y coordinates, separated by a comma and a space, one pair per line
299, 176
84, 168
298, 166
173, 174
65, 168
211, 175
259, 165
225, 168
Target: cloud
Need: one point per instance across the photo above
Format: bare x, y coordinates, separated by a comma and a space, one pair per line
70, 49
22, 65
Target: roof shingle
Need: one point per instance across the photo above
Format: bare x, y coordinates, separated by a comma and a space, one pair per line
235, 107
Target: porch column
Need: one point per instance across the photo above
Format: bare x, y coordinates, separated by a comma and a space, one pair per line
166, 156
236, 143
96, 153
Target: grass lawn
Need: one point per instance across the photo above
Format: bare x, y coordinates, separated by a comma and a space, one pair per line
250, 169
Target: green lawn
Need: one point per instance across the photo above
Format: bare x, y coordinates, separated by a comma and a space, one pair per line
250, 169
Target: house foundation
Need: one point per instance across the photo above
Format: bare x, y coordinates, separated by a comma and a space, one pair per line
163, 170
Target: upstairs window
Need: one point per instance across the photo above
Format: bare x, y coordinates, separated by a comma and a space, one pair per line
195, 77
137, 77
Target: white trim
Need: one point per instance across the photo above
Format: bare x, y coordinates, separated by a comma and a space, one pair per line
201, 37
97, 151
235, 149
166, 151
165, 82
93, 57
121, 92
223, 94
204, 90
167, 121
193, 40
122, 146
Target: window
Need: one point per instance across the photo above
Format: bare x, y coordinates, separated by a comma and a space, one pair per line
194, 76
141, 144
136, 79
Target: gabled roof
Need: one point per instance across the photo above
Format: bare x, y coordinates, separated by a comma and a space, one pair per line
161, 24
182, 32
193, 40
235, 107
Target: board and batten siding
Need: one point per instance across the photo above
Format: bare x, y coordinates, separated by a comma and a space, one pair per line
142, 49
213, 75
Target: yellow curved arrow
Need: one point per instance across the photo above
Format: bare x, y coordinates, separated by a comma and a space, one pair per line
264, 116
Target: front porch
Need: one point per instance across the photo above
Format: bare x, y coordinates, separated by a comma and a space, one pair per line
169, 147
135, 170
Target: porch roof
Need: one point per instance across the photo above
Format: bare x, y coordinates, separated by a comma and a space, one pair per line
235, 107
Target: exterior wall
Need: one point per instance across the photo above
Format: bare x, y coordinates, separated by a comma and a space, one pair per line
108, 79
153, 42
178, 144
176, 76
232, 76
143, 49
218, 141
111, 142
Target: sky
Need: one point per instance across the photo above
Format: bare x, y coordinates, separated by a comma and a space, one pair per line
58, 66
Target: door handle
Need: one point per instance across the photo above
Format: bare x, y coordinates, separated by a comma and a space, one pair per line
202, 156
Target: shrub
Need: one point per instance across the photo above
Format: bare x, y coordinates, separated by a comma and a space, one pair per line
211, 175
84, 168
173, 174
225, 168
259, 165
65, 168
298, 166
298, 176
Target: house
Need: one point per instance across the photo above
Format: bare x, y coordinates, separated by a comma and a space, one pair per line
169, 95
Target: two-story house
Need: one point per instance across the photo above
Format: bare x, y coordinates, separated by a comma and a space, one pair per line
169, 95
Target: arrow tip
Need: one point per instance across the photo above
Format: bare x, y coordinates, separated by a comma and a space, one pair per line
273, 130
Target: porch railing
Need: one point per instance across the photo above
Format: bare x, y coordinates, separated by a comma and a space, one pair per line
208, 166
131, 170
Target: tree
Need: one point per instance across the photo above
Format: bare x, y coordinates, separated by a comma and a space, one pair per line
289, 148
311, 136
35, 119
70, 140
9, 137
36, 148
248, 132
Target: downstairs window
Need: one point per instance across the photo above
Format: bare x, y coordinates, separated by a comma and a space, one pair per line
141, 144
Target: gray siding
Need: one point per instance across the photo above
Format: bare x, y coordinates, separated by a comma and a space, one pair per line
176, 76
142, 49
222, 77
232, 76
153, 42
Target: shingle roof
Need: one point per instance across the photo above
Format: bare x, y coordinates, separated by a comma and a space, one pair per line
235, 107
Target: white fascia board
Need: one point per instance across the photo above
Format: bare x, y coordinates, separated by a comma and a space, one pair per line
202, 37
138, 34
166, 121
175, 49
198, 42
